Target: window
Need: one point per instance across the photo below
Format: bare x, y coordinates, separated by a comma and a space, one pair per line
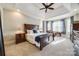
68, 22
58, 26
49, 25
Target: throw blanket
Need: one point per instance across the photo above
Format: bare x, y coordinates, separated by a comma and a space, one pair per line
37, 39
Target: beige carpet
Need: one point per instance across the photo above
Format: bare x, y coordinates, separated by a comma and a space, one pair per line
60, 47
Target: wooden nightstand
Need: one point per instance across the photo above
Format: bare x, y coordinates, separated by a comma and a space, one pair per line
20, 37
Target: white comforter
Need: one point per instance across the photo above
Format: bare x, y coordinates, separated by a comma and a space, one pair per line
31, 38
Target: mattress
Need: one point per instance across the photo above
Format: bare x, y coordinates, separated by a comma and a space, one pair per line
31, 38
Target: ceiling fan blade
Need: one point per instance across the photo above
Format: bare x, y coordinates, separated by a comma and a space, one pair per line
51, 8
42, 8
44, 4
45, 10
50, 4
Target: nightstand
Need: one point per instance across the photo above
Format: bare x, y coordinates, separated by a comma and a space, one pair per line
20, 37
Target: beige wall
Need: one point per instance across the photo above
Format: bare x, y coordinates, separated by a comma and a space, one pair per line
13, 21
76, 17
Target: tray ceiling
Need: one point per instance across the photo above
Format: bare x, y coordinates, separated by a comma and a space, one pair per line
33, 9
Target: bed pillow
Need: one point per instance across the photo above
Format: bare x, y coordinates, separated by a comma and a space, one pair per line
38, 31
29, 31
35, 31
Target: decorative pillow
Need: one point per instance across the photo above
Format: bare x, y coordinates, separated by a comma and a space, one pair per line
29, 31
38, 31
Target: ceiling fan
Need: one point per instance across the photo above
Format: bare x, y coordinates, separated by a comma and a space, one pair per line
47, 7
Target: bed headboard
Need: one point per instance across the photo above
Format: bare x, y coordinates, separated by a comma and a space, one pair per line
29, 27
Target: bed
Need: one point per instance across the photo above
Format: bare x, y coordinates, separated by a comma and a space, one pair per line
40, 40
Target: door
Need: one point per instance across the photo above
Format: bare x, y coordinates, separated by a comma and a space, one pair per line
2, 51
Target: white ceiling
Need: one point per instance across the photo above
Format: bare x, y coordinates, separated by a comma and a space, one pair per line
33, 9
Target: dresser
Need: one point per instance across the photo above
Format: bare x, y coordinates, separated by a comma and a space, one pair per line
76, 26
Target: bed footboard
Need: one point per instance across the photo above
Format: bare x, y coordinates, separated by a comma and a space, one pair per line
43, 40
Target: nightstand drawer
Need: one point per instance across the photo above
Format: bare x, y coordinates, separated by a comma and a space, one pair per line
20, 38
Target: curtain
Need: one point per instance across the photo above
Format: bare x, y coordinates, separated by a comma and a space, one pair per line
64, 26
52, 25
45, 24
71, 29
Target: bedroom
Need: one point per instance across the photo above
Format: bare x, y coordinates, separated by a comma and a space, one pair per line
54, 25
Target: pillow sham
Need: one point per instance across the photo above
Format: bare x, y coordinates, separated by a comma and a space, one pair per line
29, 31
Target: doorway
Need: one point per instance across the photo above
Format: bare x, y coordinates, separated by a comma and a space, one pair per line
2, 51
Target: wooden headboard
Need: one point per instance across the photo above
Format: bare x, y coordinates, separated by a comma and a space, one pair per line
29, 27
